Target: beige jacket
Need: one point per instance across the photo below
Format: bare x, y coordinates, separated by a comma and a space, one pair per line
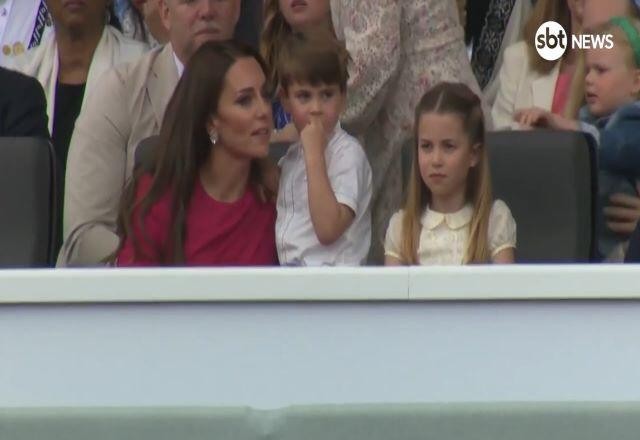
512, 34
521, 87
127, 107
42, 63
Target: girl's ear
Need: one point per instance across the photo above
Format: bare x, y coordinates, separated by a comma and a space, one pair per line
476, 150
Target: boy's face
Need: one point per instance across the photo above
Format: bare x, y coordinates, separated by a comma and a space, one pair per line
303, 100
610, 82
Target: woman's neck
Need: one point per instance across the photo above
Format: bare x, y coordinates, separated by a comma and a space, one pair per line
75, 52
320, 26
225, 176
569, 61
447, 204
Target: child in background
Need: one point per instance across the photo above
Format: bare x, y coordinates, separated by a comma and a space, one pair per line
449, 216
612, 116
325, 184
398, 50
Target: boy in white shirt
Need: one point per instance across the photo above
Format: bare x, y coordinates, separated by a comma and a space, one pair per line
324, 194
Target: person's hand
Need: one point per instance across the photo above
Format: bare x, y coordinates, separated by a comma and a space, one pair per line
623, 212
314, 138
288, 134
529, 118
535, 117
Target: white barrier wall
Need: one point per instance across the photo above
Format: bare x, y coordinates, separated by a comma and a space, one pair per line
158, 337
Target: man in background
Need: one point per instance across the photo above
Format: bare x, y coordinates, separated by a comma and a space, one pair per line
23, 108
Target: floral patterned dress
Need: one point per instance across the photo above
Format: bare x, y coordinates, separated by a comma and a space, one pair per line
399, 49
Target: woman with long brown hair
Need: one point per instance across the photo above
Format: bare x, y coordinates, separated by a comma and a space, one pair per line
526, 79
202, 201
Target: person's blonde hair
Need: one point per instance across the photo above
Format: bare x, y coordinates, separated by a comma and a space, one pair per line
576, 92
543, 11
620, 37
274, 32
458, 99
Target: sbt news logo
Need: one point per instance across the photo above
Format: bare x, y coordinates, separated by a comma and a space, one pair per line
552, 41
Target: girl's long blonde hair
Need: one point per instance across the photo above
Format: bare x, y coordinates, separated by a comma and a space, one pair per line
458, 99
274, 32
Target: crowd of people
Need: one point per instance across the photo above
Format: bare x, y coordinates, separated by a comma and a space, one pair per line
216, 82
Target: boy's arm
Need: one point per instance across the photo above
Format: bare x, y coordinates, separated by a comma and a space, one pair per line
329, 217
619, 147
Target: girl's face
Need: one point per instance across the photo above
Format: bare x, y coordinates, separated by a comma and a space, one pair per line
445, 155
610, 82
301, 14
243, 121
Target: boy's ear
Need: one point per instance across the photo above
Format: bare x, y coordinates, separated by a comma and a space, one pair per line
283, 96
343, 105
475, 154
636, 83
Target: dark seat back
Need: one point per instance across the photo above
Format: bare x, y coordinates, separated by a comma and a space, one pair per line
28, 194
548, 178
143, 156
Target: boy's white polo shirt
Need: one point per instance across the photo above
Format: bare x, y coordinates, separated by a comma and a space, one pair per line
350, 177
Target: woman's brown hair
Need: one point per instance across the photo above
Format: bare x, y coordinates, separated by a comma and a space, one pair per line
183, 147
458, 99
543, 11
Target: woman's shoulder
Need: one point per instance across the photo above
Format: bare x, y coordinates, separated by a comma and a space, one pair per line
517, 54
144, 185
129, 49
32, 61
